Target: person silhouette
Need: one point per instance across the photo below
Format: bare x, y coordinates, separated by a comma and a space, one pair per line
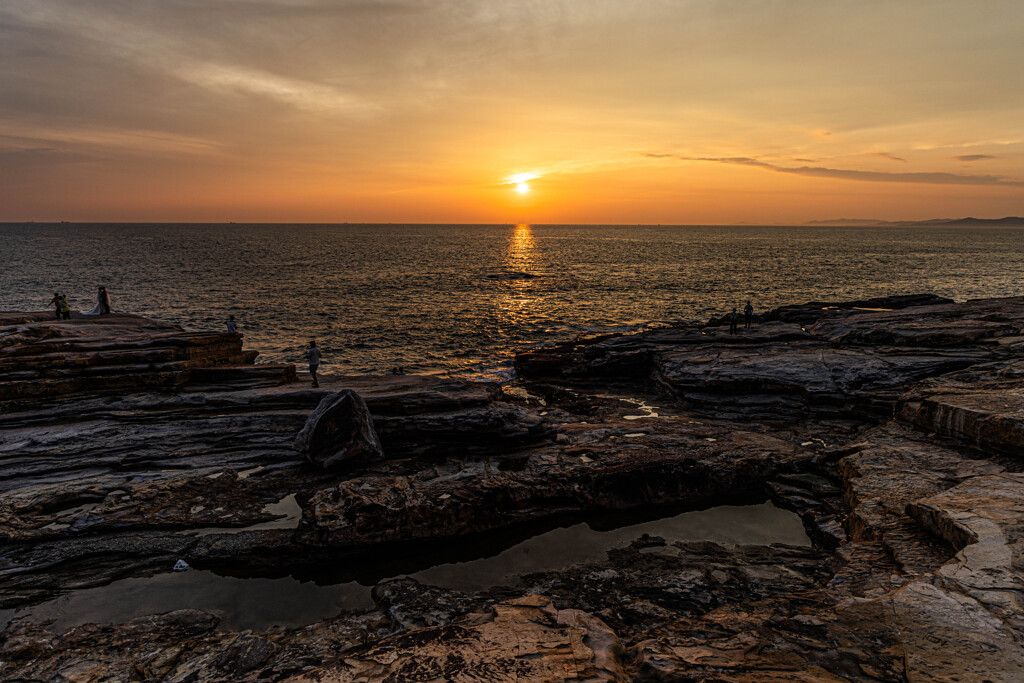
104, 301
232, 326
55, 302
313, 356
748, 312
102, 306
733, 321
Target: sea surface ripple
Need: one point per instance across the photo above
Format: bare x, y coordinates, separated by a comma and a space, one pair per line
461, 299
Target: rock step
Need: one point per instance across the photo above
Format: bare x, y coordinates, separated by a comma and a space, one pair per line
48, 360
70, 370
43, 388
864, 569
914, 550
989, 420
240, 376
180, 340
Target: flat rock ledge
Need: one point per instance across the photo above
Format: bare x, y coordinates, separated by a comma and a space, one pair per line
894, 427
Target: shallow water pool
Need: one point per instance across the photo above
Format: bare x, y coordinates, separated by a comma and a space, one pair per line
260, 603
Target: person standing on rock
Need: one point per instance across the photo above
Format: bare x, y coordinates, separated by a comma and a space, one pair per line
733, 321
55, 302
232, 326
313, 355
102, 303
64, 307
748, 312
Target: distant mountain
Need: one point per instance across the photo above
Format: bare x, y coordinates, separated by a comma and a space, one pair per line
1015, 221
1009, 220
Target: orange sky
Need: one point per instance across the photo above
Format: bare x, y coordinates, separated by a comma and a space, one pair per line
626, 111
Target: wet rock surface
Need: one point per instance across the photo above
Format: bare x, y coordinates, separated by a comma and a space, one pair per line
895, 434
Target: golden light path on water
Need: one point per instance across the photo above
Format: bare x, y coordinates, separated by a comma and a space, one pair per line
517, 304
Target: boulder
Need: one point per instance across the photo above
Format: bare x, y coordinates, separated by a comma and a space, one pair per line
339, 430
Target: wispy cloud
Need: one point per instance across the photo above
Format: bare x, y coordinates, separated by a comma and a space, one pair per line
298, 93
866, 176
25, 135
974, 157
886, 155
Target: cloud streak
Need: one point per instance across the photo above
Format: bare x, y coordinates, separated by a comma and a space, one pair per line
974, 157
304, 95
15, 136
890, 157
932, 178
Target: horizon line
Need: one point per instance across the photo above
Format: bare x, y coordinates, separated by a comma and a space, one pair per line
819, 223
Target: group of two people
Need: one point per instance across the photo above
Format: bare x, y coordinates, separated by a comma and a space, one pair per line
62, 309
734, 317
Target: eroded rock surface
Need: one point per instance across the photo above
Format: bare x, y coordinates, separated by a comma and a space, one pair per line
525, 639
895, 434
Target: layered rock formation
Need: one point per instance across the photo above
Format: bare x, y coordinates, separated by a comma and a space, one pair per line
895, 434
41, 357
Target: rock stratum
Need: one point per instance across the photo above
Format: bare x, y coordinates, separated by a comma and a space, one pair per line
893, 426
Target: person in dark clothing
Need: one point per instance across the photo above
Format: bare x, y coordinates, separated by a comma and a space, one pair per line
55, 302
103, 300
748, 313
733, 321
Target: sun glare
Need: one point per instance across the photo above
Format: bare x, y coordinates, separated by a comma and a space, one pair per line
522, 188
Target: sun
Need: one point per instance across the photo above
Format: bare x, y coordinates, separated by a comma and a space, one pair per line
520, 181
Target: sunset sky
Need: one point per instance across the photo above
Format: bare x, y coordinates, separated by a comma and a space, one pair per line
626, 111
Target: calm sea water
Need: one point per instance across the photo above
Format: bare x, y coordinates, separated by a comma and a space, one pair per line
435, 298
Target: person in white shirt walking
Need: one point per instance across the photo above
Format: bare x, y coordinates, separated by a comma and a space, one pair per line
313, 355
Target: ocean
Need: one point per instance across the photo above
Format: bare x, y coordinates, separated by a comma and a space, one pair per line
462, 299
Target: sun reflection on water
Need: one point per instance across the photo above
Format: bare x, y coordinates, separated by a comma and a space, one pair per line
519, 254
516, 304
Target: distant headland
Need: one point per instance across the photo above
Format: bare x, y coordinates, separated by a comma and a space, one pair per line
1009, 221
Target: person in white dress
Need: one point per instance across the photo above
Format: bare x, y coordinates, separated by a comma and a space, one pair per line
102, 303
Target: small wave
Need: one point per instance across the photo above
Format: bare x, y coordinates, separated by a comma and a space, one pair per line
617, 329
512, 276
502, 372
538, 345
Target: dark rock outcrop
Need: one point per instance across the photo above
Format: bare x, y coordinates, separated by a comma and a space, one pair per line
664, 464
846, 361
340, 429
813, 311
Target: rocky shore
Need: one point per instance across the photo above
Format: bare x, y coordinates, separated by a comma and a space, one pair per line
893, 427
